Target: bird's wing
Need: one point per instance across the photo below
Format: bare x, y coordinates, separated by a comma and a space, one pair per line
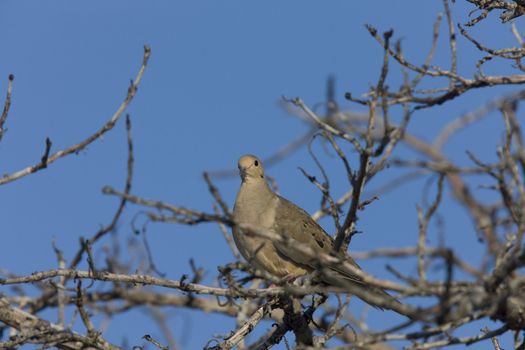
294, 223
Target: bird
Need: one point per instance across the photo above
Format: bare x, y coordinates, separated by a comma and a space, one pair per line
257, 205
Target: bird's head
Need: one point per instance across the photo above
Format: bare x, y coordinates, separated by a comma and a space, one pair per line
250, 167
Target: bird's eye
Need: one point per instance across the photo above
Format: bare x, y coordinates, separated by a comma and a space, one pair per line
256, 163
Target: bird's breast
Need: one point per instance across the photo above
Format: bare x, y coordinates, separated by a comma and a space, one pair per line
256, 208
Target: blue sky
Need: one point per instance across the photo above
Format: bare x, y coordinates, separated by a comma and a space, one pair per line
211, 93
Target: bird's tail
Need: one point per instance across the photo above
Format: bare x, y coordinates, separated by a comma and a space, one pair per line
352, 284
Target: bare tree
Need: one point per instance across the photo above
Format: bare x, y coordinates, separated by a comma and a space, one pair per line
432, 309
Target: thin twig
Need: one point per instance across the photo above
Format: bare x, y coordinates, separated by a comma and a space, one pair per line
7, 105
80, 146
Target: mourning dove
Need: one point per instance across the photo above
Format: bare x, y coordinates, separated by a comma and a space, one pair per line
258, 206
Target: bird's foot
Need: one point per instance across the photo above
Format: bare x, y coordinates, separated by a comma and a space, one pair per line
289, 278
299, 280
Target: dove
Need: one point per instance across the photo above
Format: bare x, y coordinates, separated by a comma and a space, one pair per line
258, 206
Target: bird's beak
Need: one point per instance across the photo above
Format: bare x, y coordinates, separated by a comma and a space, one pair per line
242, 172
